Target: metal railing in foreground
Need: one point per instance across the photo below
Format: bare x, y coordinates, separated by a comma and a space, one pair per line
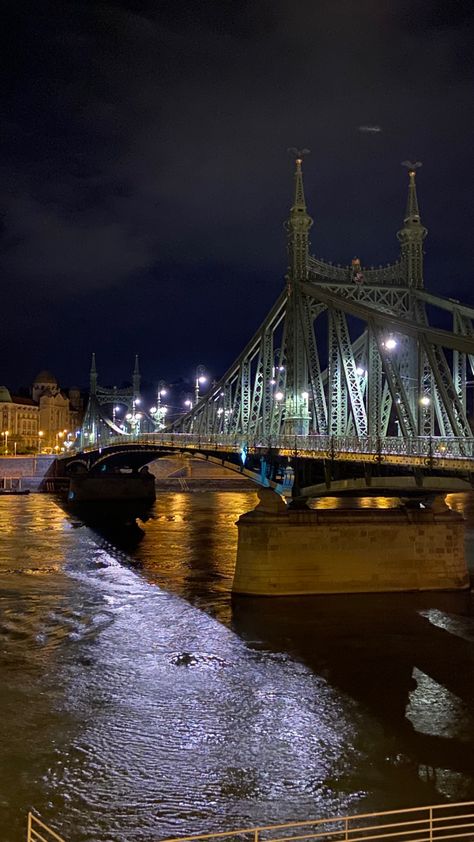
40, 832
417, 824
434, 823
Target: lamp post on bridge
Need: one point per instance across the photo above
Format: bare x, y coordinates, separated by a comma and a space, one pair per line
200, 378
134, 417
159, 411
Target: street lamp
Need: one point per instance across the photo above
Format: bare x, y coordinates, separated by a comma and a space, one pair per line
161, 392
159, 411
5, 434
40, 436
200, 378
134, 417
158, 414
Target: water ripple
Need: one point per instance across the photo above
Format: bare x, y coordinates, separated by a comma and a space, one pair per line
129, 712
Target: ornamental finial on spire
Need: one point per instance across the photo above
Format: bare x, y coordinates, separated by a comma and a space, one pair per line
299, 203
412, 214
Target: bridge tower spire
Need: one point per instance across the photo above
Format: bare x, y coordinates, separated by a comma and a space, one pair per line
136, 379
93, 377
297, 414
412, 235
298, 227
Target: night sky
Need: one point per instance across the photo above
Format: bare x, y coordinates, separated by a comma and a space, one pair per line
145, 175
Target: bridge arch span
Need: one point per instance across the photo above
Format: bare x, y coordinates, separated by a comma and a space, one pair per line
77, 466
136, 456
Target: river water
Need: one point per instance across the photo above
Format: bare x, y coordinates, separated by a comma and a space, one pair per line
139, 701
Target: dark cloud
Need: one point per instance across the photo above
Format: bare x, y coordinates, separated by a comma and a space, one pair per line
144, 153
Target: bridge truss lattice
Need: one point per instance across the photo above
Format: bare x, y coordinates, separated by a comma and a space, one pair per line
345, 351
348, 351
98, 425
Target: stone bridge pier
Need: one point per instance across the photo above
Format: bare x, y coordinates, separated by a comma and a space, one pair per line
293, 550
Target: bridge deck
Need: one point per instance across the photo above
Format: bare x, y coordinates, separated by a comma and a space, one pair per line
445, 454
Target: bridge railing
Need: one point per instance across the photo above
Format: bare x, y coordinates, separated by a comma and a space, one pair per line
427, 447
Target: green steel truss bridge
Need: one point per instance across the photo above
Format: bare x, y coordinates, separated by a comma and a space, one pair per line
347, 367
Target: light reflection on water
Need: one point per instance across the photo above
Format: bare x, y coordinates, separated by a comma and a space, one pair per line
139, 701
371, 502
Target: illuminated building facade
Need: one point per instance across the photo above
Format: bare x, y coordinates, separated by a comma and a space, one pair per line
43, 422
18, 423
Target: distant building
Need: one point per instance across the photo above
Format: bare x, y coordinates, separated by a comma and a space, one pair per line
43, 422
60, 415
44, 384
18, 423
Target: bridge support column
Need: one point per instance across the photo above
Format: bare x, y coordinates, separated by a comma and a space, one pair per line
283, 550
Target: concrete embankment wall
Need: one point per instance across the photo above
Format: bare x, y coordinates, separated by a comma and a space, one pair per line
30, 470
